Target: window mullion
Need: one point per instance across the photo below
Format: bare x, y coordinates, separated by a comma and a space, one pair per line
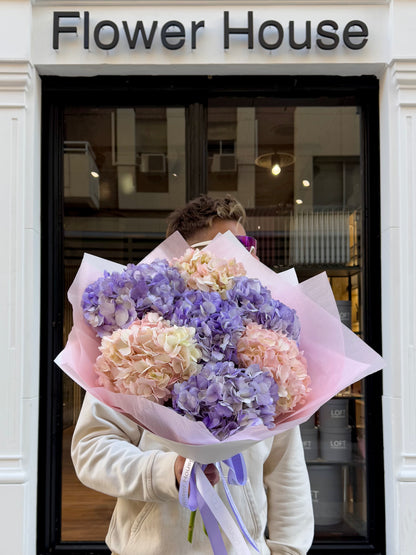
196, 150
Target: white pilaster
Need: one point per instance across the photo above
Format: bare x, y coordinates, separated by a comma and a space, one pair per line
398, 222
19, 303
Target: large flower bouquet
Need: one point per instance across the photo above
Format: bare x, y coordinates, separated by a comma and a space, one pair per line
200, 336
209, 353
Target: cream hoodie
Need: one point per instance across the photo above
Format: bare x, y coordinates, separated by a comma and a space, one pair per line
113, 455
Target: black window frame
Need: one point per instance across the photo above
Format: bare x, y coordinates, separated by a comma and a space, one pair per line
194, 92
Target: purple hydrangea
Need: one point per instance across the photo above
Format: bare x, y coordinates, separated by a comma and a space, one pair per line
107, 304
218, 323
115, 300
156, 287
227, 398
255, 303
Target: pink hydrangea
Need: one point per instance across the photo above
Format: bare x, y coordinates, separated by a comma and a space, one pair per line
148, 358
273, 351
201, 270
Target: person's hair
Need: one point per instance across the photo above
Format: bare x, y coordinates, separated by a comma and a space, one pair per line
201, 212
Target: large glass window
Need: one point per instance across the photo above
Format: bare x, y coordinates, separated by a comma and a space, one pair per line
298, 168
124, 170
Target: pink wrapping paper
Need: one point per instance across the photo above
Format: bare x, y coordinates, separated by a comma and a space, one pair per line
336, 356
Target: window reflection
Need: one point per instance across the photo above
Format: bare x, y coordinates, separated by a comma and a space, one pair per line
298, 171
306, 215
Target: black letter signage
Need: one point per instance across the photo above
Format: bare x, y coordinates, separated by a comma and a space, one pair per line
173, 35
166, 34
296, 45
280, 33
348, 34
328, 35
238, 30
58, 29
116, 34
147, 40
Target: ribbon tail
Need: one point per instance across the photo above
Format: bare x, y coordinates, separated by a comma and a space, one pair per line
237, 474
235, 510
220, 513
195, 491
212, 527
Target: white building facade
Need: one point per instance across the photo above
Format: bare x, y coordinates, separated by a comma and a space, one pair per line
73, 43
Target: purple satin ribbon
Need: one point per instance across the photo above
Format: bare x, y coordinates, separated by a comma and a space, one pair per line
195, 492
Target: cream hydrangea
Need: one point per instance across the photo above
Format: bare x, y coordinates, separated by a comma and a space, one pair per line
148, 358
201, 270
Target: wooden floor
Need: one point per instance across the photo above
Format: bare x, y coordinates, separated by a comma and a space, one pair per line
85, 513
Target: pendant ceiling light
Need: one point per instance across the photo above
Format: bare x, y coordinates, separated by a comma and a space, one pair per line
275, 161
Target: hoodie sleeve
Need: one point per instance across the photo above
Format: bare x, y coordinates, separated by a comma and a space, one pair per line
107, 458
290, 514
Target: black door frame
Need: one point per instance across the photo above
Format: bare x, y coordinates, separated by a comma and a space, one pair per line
194, 92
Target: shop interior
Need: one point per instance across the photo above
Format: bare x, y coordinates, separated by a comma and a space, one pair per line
297, 169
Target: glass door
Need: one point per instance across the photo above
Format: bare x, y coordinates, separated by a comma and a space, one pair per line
301, 162
297, 169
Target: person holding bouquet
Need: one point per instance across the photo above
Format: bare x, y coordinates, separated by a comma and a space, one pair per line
115, 456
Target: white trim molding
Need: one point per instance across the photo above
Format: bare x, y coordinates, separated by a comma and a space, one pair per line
19, 306
15, 82
404, 79
398, 236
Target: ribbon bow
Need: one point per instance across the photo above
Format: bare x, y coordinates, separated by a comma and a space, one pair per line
196, 492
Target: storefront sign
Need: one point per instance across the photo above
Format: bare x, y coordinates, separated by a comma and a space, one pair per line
173, 35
